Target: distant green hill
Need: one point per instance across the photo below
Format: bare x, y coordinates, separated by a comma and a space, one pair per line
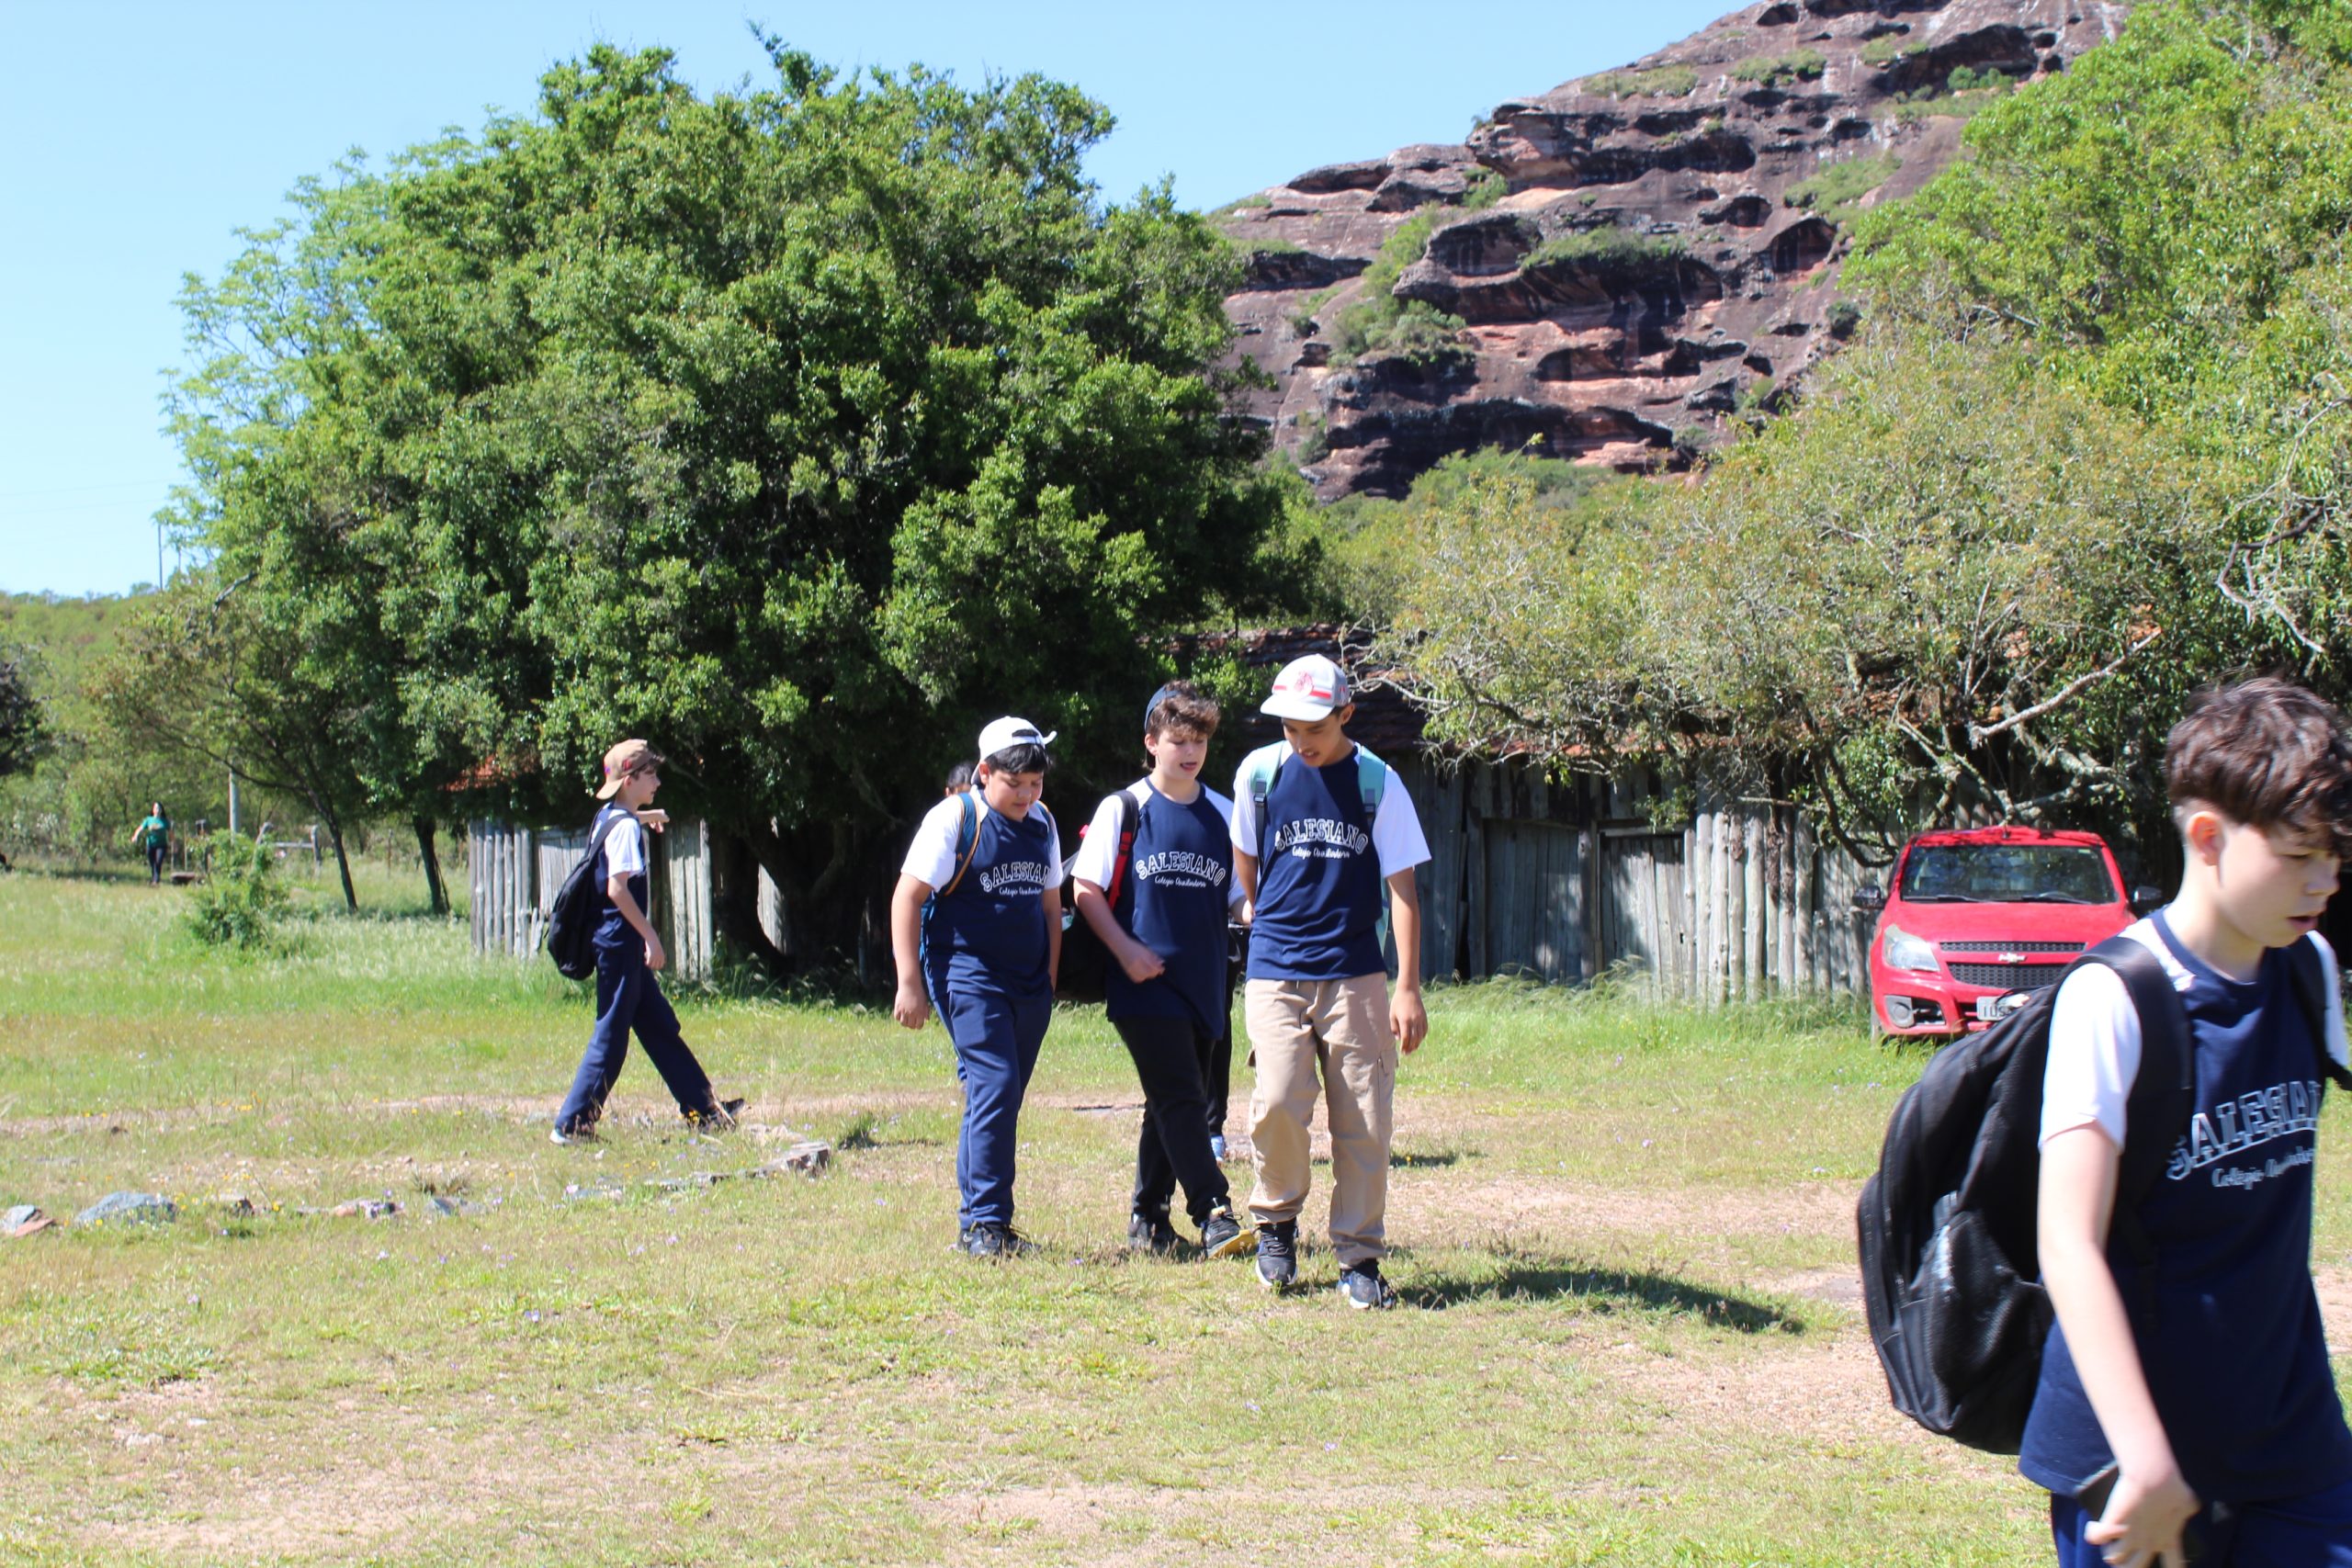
65, 634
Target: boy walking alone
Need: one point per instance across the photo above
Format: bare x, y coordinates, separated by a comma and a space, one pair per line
1319, 826
2186, 1402
976, 926
628, 955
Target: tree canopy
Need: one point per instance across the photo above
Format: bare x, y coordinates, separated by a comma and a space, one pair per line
797, 428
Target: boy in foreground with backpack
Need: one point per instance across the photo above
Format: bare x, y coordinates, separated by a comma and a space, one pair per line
976, 926
1154, 879
628, 955
1324, 836
2185, 1402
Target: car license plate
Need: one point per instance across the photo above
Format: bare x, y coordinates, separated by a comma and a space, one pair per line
1992, 1010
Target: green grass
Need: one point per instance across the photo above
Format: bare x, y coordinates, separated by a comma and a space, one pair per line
1618, 1231
1660, 82
1606, 247
1782, 70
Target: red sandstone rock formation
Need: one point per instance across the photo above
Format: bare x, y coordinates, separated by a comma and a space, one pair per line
1629, 256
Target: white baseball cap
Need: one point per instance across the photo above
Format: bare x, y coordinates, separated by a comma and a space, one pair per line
1308, 689
1002, 733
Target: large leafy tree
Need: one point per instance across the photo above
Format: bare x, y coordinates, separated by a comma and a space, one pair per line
797, 429
23, 728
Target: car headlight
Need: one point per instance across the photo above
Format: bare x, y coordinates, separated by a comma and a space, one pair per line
1903, 951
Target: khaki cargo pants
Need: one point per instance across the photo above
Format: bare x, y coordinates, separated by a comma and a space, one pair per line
1331, 1034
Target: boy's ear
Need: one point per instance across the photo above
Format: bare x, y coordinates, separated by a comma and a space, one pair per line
2200, 834
1345, 713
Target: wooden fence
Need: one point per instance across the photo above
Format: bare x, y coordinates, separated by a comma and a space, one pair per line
1571, 882
516, 873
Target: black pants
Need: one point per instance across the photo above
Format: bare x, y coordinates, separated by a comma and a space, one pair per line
1171, 1057
155, 854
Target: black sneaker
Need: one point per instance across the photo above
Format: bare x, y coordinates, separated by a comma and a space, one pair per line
990, 1239
719, 1118
1151, 1232
1364, 1289
1278, 1254
1222, 1235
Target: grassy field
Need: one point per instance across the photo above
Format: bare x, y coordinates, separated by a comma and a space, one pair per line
1622, 1236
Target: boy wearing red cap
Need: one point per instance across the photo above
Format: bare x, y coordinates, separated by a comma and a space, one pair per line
628, 954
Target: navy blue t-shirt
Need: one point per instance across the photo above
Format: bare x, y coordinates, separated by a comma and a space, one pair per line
1173, 899
2226, 1319
989, 934
1320, 894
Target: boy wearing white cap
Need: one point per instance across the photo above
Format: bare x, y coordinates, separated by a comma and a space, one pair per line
1319, 826
976, 925
628, 952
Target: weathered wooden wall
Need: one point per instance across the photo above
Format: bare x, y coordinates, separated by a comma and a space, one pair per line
517, 871
1570, 881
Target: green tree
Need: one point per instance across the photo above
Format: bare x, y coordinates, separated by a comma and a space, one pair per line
23, 728
799, 429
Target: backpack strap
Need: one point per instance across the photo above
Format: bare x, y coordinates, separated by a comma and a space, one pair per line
967, 842
1261, 781
2308, 972
605, 822
2162, 1095
1372, 779
1128, 822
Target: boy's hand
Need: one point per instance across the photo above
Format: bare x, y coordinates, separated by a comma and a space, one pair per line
911, 1006
657, 958
1141, 963
1408, 1020
2142, 1523
655, 818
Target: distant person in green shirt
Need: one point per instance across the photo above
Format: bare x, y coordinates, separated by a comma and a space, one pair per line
154, 835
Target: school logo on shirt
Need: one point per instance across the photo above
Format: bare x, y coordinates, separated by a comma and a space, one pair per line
1014, 876
1180, 868
2236, 1125
1320, 838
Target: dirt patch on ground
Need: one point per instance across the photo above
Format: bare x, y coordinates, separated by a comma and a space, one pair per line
1517, 1202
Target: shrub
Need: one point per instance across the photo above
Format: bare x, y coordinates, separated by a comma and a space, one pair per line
1883, 51
1658, 82
240, 903
1844, 317
1415, 332
1772, 71
1486, 189
1835, 187
1604, 247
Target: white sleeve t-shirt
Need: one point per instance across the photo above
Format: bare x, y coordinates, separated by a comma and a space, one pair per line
2095, 1039
1396, 837
1099, 849
930, 859
625, 847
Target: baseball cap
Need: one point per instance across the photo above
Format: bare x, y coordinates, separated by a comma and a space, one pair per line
629, 758
1307, 689
1002, 733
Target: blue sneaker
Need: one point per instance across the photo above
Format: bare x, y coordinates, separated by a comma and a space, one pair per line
1364, 1289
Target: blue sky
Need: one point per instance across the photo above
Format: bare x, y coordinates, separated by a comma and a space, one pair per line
143, 135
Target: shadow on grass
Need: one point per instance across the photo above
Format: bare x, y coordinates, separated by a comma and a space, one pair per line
1431, 1160
1604, 1291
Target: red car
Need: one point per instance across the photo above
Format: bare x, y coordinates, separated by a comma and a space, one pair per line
1978, 917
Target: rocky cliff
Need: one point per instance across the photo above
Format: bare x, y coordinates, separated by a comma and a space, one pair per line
1608, 271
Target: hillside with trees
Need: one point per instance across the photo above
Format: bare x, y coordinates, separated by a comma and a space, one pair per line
2089, 451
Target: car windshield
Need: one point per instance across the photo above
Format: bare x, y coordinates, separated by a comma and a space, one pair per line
2008, 874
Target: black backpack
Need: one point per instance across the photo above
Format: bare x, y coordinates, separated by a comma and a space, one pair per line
1085, 972
1950, 1259
571, 919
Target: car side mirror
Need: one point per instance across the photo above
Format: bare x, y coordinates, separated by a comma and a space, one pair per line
1870, 898
2147, 900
